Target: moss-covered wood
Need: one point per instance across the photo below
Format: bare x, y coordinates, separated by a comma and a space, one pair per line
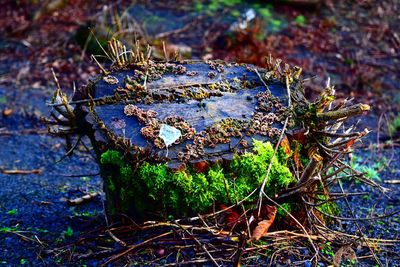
158, 190
230, 118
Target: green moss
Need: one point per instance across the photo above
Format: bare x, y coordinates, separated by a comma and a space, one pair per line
111, 157
283, 210
120, 184
330, 207
218, 184
394, 125
110, 183
155, 187
251, 169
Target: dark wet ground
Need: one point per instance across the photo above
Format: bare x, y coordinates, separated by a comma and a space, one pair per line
33, 207
34, 216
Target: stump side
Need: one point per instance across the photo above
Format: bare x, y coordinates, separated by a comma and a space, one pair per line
219, 108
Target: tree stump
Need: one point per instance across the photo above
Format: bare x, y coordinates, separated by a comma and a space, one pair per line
179, 138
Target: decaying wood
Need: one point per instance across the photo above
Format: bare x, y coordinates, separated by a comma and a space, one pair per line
312, 167
343, 113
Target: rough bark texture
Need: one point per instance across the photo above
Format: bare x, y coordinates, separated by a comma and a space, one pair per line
179, 137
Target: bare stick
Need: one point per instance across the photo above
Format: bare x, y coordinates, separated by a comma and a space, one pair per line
202, 246
312, 166
35, 171
343, 113
133, 247
270, 167
276, 147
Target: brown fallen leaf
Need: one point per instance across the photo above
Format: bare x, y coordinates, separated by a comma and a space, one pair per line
232, 217
201, 166
286, 146
264, 225
296, 157
346, 253
298, 135
350, 144
7, 112
35, 171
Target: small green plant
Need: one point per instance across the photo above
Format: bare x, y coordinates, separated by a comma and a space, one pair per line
9, 229
12, 212
85, 179
327, 207
283, 210
366, 197
380, 222
265, 12
327, 249
349, 262
85, 213
41, 230
394, 125
68, 233
370, 171
300, 20
214, 5
235, 13
59, 260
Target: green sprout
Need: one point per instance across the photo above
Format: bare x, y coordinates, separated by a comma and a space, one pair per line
300, 20
12, 212
9, 229
394, 125
68, 233
327, 249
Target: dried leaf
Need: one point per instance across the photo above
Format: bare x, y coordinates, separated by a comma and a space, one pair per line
346, 253
296, 157
7, 112
350, 143
201, 166
289, 223
264, 225
286, 146
232, 217
312, 151
298, 135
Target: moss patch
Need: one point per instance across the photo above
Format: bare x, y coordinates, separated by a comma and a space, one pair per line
154, 187
327, 207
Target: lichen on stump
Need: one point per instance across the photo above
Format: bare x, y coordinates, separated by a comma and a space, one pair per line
243, 133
